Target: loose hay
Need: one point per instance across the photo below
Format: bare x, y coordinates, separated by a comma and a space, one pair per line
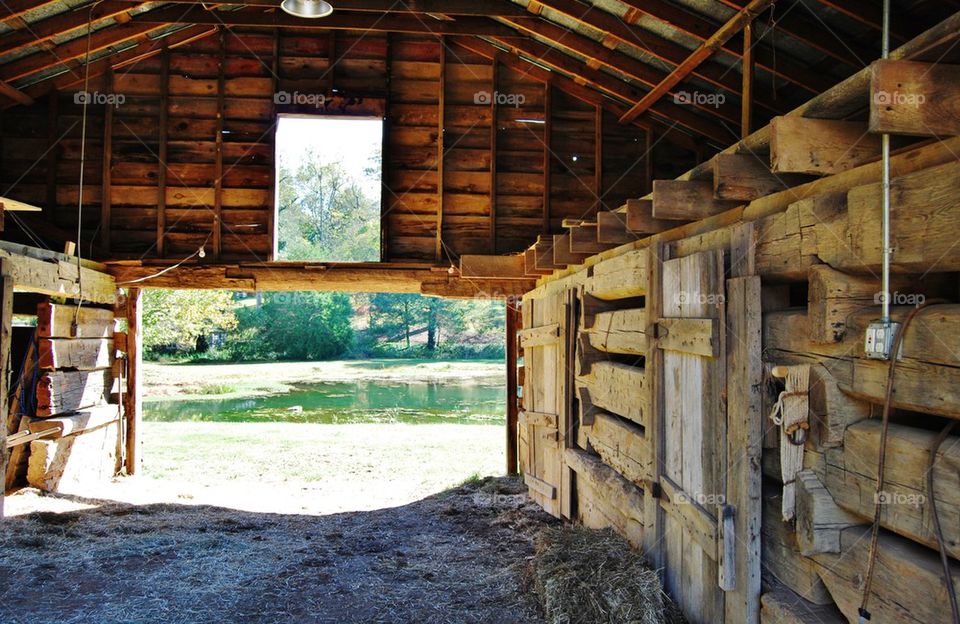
587, 576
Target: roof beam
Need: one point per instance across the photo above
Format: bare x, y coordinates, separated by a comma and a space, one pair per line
570, 87
707, 49
867, 13
12, 9
791, 24
617, 88
648, 42
144, 49
339, 20
44, 30
485, 8
71, 50
600, 54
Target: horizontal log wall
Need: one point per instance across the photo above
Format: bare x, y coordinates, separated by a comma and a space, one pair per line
478, 158
817, 255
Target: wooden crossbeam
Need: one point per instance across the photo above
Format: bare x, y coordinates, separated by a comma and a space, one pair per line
917, 99
640, 218
705, 51
746, 177
687, 199
502, 267
820, 146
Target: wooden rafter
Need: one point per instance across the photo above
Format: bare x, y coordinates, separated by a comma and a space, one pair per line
44, 30
488, 8
644, 73
649, 42
72, 50
13, 9
618, 89
339, 20
865, 12
733, 26
791, 24
144, 49
798, 25
570, 87
600, 54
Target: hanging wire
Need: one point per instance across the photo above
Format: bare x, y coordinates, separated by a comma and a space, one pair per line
83, 161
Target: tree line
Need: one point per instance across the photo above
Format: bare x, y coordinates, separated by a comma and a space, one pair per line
221, 325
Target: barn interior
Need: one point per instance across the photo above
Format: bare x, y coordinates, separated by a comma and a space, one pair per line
721, 230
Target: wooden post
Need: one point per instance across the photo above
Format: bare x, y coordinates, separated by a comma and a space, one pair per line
133, 399
162, 152
494, 112
746, 103
217, 236
6, 335
441, 106
107, 171
547, 153
513, 416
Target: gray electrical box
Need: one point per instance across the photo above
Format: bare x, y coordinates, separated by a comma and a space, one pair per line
878, 343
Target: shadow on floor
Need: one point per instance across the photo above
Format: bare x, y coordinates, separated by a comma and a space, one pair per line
457, 556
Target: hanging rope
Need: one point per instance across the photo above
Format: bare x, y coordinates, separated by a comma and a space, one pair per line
792, 414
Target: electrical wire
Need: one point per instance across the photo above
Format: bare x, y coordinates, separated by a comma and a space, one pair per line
937, 529
882, 460
83, 161
199, 252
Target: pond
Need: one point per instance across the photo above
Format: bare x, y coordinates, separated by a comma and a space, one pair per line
348, 402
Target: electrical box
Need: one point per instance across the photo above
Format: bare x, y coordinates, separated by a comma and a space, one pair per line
878, 343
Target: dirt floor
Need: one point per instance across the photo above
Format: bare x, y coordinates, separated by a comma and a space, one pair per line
457, 556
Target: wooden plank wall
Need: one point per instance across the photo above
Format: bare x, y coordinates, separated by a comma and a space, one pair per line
802, 266
191, 147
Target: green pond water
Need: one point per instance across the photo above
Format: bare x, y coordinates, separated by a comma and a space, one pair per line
348, 402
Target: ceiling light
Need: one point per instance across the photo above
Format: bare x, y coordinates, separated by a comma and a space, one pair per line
307, 8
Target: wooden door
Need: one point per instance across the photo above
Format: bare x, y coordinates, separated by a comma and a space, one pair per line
542, 418
692, 434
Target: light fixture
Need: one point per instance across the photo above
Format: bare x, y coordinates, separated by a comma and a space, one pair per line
307, 8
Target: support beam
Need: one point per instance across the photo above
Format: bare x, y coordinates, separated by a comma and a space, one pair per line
745, 177
916, 99
512, 324
701, 54
6, 338
487, 8
640, 218
746, 93
687, 199
820, 146
612, 228
44, 30
441, 151
492, 267
133, 398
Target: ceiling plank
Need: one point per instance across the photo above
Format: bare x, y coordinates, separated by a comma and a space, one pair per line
44, 30
707, 49
649, 42
598, 53
339, 20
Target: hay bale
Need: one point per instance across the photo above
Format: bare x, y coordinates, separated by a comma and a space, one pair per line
589, 576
